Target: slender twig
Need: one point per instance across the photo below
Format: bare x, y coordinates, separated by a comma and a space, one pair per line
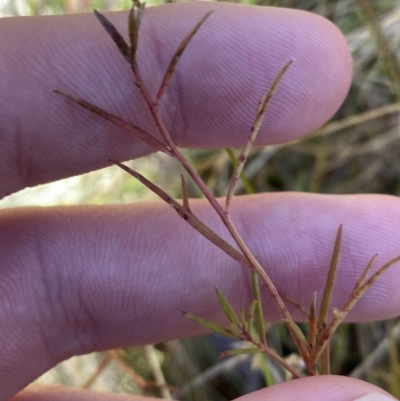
157, 372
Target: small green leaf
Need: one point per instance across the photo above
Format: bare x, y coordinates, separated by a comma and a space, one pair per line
243, 320
226, 306
258, 307
251, 314
299, 338
215, 327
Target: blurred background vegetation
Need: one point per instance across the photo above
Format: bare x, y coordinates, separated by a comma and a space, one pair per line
357, 152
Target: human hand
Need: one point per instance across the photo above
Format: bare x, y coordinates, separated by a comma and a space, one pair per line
88, 278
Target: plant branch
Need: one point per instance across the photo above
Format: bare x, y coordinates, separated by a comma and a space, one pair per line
134, 130
361, 286
187, 215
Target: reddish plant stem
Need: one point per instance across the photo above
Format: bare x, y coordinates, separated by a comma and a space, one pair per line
224, 216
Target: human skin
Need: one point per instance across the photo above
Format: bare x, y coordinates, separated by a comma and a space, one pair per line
87, 278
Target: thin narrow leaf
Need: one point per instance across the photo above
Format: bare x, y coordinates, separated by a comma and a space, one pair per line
115, 35
326, 299
265, 370
239, 351
215, 327
252, 309
261, 110
364, 274
304, 349
227, 308
133, 33
139, 14
187, 215
177, 55
134, 21
185, 196
243, 321
258, 307
132, 129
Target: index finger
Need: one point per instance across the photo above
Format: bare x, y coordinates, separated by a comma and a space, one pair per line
211, 100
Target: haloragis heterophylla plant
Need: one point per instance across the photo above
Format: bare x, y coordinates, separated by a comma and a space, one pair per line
313, 345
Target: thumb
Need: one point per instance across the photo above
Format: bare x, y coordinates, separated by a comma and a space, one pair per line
327, 388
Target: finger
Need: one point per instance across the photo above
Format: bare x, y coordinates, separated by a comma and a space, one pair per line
329, 388
75, 280
211, 101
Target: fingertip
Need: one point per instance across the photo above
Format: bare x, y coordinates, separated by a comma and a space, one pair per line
235, 58
327, 388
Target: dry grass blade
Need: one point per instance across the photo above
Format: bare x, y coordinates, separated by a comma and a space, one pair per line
187, 215
132, 129
261, 110
185, 195
389, 62
356, 119
176, 57
155, 368
115, 35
